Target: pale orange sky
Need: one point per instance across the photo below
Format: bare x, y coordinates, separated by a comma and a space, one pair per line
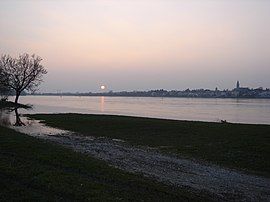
139, 45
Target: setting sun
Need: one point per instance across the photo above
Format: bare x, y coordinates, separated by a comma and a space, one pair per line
102, 87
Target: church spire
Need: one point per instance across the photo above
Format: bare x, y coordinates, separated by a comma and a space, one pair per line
237, 85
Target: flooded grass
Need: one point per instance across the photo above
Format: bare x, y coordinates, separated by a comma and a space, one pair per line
241, 146
32, 169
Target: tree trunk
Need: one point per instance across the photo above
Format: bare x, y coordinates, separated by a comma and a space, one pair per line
18, 119
17, 97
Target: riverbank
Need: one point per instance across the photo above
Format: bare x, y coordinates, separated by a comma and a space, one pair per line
33, 169
188, 177
239, 146
198, 177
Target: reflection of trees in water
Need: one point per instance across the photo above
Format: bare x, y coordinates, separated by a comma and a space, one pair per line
5, 118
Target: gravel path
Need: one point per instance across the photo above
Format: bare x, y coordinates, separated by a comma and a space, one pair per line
222, 184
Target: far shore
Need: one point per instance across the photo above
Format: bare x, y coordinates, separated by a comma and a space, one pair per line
106, 95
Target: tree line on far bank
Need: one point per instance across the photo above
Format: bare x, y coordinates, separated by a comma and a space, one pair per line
20, 74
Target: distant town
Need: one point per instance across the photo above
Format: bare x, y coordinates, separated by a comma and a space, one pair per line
237, 92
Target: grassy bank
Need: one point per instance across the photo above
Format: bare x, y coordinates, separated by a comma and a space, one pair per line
9, 104
32, 169
241, 146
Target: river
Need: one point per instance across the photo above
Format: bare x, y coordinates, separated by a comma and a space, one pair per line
254, 111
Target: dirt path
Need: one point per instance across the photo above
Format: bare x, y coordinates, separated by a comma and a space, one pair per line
223, 184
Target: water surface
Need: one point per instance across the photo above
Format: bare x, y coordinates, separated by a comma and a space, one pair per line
201, 109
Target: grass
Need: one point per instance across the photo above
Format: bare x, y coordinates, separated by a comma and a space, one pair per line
9, 104
241, 146
35, 170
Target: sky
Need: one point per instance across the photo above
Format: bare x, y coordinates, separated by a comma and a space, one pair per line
142, 44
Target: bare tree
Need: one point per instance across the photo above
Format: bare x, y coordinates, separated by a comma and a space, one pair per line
4, 93
4, 90
21, 74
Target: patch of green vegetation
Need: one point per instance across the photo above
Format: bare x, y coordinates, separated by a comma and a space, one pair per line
9, 104
240, 146
36, 170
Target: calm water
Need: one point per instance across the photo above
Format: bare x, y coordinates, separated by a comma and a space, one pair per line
233, 110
